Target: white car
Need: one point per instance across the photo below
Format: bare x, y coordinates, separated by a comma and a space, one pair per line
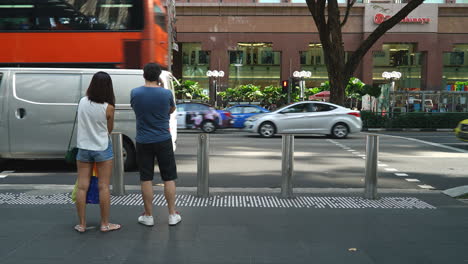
308, 117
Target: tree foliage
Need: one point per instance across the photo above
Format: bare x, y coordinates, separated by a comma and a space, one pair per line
189, 90
329, 21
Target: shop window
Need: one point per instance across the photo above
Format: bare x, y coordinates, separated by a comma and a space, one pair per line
434, 1
195, 64
455, 67
400, 57
254, 63
313, 60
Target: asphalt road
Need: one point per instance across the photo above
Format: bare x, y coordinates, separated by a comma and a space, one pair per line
238, 159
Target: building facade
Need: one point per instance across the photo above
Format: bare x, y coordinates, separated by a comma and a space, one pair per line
263, 43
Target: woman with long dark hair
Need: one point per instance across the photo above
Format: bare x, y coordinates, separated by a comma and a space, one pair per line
95, 123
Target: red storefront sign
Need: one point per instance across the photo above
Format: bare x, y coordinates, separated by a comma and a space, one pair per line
380, 18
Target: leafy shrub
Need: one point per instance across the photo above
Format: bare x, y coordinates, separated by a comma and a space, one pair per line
430, 120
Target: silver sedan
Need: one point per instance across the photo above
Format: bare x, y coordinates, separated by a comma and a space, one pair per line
309, 117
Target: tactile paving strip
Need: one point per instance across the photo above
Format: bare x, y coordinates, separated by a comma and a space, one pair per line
235, 201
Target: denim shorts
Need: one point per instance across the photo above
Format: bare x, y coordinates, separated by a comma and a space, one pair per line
85, 155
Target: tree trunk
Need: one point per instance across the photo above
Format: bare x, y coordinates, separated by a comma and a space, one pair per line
329, 28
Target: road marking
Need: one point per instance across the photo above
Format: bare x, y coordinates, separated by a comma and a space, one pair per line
429, 143
425, 186
412, 180
4, 174
401, 174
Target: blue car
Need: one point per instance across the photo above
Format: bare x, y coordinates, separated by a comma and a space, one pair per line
241, 112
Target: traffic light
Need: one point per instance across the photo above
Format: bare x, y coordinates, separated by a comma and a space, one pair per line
285, 85
295, 85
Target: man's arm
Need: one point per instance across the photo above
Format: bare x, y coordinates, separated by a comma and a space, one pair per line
172, 104
173, 108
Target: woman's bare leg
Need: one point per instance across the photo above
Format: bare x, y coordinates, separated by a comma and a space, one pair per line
84, 176
104, 172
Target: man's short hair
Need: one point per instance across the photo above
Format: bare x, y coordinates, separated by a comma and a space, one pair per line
151, 72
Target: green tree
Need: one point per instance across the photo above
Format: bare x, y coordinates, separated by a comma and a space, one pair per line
250, 92
273, 95
327, 17
354, 90
231, 95
189, 90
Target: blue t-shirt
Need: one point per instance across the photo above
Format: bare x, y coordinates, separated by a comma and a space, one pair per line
151, 106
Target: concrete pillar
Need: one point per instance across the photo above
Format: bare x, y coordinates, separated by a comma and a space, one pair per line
367, 68
432, 70
290, 62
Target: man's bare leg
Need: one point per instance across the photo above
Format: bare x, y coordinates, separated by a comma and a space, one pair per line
170, 193
147, 195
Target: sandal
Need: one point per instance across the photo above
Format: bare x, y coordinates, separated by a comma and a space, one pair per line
80, 228
110, 227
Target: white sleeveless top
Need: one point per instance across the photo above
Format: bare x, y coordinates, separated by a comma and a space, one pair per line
92, 131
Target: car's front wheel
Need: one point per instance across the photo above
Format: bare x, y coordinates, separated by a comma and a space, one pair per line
208, 127
340, 131
267, 129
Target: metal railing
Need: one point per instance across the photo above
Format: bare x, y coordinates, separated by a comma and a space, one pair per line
372, 153
118, 186
287, 166
203, 165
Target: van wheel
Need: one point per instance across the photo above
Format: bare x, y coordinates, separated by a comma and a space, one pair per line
129, 156
208, 127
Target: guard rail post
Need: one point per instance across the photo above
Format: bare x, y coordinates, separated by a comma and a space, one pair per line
118, 187
287, 165
372, 151
203, 162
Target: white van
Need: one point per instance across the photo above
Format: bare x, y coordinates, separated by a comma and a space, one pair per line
38, 106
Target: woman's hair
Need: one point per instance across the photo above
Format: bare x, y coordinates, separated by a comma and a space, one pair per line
100, 89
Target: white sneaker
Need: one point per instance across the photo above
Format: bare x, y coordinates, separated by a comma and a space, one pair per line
146, 220
174, 219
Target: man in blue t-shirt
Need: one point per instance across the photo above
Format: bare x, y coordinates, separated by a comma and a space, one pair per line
153, 106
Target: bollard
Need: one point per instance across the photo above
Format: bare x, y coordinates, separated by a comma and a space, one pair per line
118, 187
372, 151
203, 168
287, 166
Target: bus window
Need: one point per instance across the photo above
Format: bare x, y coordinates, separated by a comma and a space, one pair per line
71, 15
160, 17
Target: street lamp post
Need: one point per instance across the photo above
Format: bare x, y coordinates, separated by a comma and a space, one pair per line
215, 75
302, 75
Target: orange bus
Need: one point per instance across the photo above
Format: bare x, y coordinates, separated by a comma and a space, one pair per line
83, 33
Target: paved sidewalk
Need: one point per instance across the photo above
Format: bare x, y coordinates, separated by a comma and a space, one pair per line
240, 228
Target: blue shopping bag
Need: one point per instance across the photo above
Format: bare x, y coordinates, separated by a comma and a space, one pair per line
92, 196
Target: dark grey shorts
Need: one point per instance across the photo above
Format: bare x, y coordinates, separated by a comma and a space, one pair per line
163, 152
